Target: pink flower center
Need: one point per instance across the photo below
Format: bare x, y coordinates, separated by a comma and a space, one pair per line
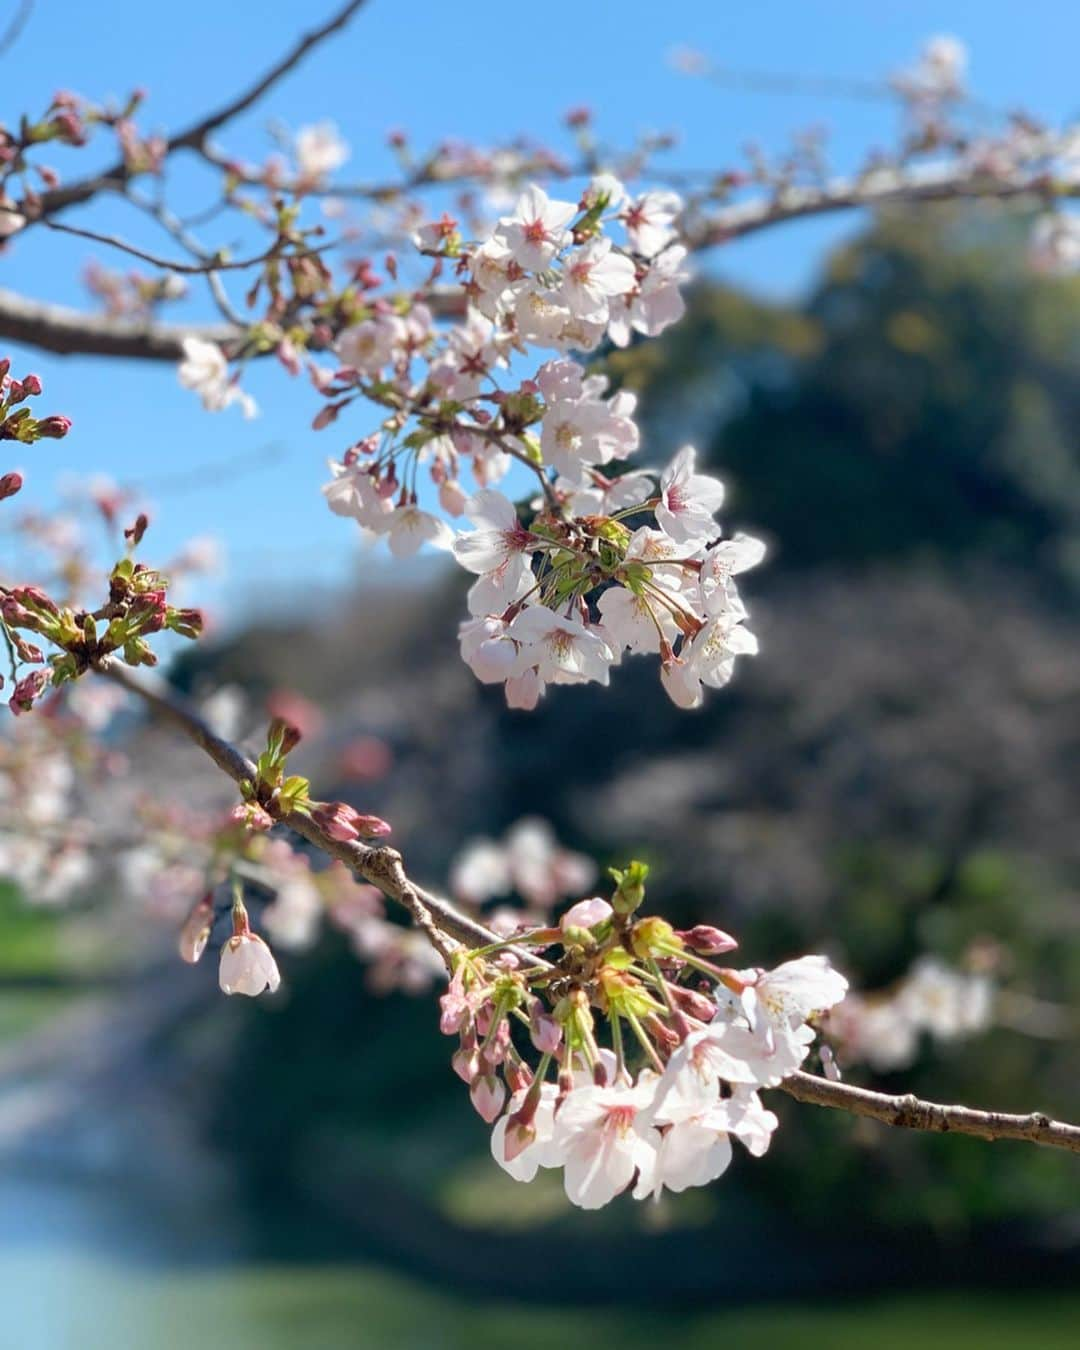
620, 1119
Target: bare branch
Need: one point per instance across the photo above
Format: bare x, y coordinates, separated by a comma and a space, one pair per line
56, 328
14, 29
195, 136
883, 187
910, 1113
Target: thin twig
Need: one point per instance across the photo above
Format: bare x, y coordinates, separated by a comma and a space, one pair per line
215, 263
14, 29
196, 135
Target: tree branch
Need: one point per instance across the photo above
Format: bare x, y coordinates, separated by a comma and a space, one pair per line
384, 867
65, 331
381, 866
196, 135
910, 1113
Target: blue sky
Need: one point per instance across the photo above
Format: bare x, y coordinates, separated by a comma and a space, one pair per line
479, 70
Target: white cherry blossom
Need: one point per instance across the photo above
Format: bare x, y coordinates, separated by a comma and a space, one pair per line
247, 966
601, 1145
498, 551
562, 649
688, 499
537, 229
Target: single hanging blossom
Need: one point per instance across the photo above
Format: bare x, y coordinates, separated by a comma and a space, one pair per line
247, 965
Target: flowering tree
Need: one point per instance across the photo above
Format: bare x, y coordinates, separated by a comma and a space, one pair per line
601, 1039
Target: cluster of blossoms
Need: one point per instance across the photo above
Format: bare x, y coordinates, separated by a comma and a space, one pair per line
884, 1030
605, 561
691, 1045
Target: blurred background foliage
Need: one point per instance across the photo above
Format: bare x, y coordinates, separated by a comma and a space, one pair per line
896, 773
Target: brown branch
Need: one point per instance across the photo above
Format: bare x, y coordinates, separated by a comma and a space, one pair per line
910, 1113
68, 332
381, 866
65, 331
384, 867
883, 187
195, 136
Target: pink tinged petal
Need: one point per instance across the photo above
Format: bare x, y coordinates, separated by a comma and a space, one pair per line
586, 914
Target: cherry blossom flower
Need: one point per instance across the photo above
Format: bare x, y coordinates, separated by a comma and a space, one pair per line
648, 221
498, 550
634, 622
247, 966
655, 303
602, 1146
487, 649
408, 528
205, 370
562, 649
593, 275
537, 230
688, 500
319, 150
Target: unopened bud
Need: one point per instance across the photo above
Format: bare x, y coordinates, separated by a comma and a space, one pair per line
487, 1094
545, 1032
629, 888
196, 930
54, 428
707, 940
10, 483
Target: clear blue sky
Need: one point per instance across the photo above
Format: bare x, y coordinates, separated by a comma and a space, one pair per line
478, 70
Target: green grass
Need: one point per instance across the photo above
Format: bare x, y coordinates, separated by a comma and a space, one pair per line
86, 1305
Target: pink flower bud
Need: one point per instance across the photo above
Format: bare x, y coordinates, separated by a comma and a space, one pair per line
54, 428
29, 688
196, 930
10, 483
31, 385
545, 1032
692, 1002
519, 1135
706, 940
464, 1063
487, 1094
343, 823
586, 914
251, 816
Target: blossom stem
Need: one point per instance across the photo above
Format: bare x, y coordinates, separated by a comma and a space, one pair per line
646, 1044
